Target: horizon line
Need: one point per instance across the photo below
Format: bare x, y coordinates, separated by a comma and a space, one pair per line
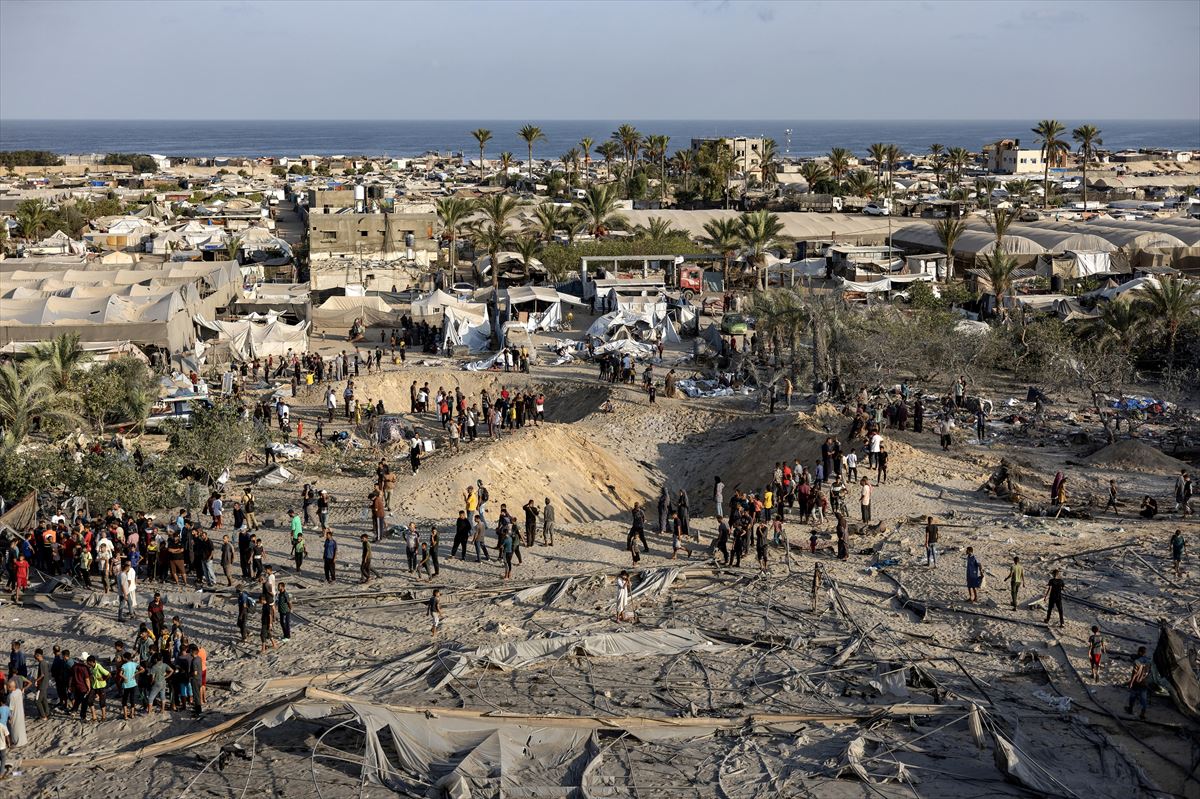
585, 119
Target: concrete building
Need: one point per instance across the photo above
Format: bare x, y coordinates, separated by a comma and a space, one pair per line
1007, 158
747, 152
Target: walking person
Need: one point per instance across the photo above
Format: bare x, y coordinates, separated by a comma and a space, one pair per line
1139, 683
267, 632
865, 499
1112, 497
329, 553
1096, 650
434, 610
364, 566
974, 576
1054, 597
548, 516
477, 538
1015, 579
1177, 546
719, 495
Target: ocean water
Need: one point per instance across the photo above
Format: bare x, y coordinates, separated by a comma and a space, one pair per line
208, 138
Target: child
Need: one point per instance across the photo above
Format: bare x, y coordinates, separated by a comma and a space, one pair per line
434, 610
1096, 649
812, 541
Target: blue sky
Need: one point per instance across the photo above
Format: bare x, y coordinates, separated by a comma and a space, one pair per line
562, 60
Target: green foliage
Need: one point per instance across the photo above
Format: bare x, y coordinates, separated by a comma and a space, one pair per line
103, 478
561, 259
139, 161
117, 392
214, 439
278, 171
299, 169
11, 158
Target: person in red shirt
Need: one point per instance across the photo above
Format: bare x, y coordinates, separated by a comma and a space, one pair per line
22, 573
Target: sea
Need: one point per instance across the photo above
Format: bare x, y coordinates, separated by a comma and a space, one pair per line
399, 138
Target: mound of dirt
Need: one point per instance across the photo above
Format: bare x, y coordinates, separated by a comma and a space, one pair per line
585, 481
1135, 456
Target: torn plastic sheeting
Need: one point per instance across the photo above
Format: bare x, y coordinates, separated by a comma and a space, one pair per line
1021, 770
855, 757
704, 388
482, 365
1174, 665
286, 451
523, 654
656, 581
889, 680
277, 476
546, 593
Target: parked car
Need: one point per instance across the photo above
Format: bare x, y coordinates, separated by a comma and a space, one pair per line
875, 209
734, 324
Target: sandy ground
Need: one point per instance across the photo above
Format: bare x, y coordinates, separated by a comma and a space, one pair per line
594, 465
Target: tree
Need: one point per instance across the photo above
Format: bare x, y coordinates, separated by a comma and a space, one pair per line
999, 221
494, 234
1000, 268
608, 150
759, 230
62, 357
212, 439
232, 247
527, 247
657, 228
1089, 139
586, 145
656, 152
28, 398
957, 160
948, 232
453, 213
1019, 189
531, 134
1048, 132
937, 156
548, 219
724, 236
506, 163
631, 141
683, 162
716, 164
482, 137
813, 173
839, 162
878, 154
892, 154
1171, 304
596, 209
861, 184
769, 162
31, 217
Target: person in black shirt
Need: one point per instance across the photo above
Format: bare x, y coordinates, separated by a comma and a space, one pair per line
1054, 597
462, 532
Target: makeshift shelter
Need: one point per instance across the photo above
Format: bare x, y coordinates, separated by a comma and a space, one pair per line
248, 339
648, 321
341, 312
538, 306
466, 326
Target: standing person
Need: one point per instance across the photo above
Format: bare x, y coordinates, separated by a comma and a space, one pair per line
244, 546
664, 500
329, 554
283, 605
1177, 546
378, 512
719, 495
248, 507
1096, 650
931, 539
506, 548
412, 540
865, 499
1183, 493
677, 536
1015, 579
1139, 683
323, 501
477, 538
1054, 597
548, 516
158, 616
483, 496
227, 559
946, 432
462, 532
434, 611
980, 425
624, 586
638, 528
531, 514
298, 551
41, 682
266, 633
16, 711
681, 505
126, 590
881, 464
364, 566
974, 576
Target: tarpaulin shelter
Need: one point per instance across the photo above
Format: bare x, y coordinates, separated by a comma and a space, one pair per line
466, 326
21, 516
248, 339
341, 312
647, 320
538, 306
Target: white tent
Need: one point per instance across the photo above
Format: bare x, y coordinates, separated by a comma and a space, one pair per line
462, 326
648, 318
541, 304
248, 340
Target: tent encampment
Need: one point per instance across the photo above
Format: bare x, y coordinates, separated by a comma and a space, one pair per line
249, 339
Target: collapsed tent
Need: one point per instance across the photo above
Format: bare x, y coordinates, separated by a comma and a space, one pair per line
539, 307
467, 326
643, 322
248, 339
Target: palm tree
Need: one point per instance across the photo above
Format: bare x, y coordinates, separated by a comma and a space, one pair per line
62, 357
656, 151
759, 230
813, 173
839, 162
28, 398
493, 234
1088, 137
595, 209
527, 247
860, 184
892, 154
548, 219
631, 141
957, 159
530, 134
453, 213
656, 228
723, 235
1120, 321
999, 221
684, 162
482, 136
1048, 132
608, 150
1000, 268
769, 163
232, 246
507, 161
31, 216
948, 232
585, 144
1021, 188
878, 154
1171, 304
984, 188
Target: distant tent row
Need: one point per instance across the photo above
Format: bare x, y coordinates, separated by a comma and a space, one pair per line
248, 339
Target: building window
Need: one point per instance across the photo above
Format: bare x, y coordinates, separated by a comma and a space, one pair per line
362, 233
328, 235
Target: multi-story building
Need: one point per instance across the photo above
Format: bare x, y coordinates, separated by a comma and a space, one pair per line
1007, 158
747, 152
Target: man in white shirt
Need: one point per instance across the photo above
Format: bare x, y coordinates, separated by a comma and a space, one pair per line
104, 553
126, 590
876, 442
